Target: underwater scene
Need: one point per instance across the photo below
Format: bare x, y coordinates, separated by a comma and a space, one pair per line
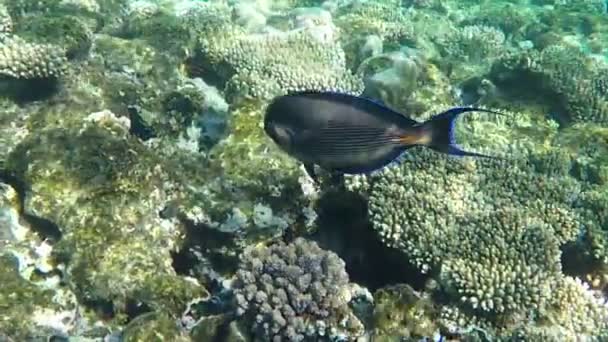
303, 170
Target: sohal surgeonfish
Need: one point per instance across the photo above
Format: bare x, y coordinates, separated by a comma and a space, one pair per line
346, 134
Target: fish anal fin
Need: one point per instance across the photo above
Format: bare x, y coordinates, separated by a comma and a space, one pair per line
395, 157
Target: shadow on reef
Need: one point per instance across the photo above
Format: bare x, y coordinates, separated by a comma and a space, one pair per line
205, 255
345, 229
45, 229
28, 90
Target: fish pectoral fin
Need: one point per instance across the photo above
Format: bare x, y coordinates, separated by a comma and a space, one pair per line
310, 170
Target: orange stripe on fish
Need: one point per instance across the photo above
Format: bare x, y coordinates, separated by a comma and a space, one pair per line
415, 138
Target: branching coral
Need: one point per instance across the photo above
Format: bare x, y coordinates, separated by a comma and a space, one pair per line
594, 204
384, 19
409, 213
505, 262
492, 231
295, 292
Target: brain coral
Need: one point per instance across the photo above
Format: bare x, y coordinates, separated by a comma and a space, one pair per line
295, 292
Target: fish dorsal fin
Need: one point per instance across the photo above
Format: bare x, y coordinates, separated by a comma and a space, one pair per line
361, 102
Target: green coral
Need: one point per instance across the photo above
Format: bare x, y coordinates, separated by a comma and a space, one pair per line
181, 107
576, 308
561, 73
411, 215
473, 43
387, 22
594, 204
512, 19
6, 22
384, 19
151, 327
504, 263
162, 30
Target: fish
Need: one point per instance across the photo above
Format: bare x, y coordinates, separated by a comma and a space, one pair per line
349, 134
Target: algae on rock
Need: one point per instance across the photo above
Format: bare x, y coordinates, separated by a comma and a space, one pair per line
104, 190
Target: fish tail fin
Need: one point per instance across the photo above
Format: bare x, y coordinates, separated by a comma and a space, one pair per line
441, 131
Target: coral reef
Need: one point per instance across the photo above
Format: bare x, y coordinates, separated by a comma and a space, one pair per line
492, 233
141, 200
6, 22
97, 239
402, 313
296, 292
68, 32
